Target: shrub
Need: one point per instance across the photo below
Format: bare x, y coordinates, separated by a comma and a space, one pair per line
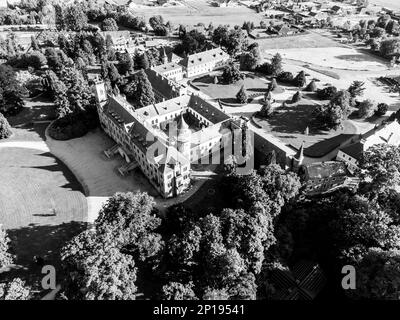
109, 24
296, 97
73, 125
285, 77
241, 96
312, 87
300, 80
5, 128
327, 93
381, 109
366, 109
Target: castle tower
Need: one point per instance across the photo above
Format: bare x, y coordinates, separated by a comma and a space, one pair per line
100, 92
298, 158
184, 138
164, 56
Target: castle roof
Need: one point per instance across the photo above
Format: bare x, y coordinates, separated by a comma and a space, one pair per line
204, 57
207, 110
166, 87
169, 66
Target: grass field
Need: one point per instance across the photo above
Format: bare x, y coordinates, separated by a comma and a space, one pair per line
195, 11
227, 93
289, 125
310, 40
42, 206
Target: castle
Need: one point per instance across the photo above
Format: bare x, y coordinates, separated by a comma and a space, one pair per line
162, 139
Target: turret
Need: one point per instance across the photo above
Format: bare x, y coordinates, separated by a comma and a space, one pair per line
184, 138
298, 158
100, 92
164, 56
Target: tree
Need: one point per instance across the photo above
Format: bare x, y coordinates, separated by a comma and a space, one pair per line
178, 291
74, 18
11, 92
285, 77
266, 109
300, 79
377, 33
378, 276
393, 28
276, 65
5, 128
327, 93
356, 89
330, 116
251, 59
241, 96
232, 74
381, 163
5, 257
98, 270
126, 65
366, 109
381, 109
344, 100
156, 21
390, 47
78, 93
14, 290
234, 40
109, 24
142, 61
140, 90
34, 43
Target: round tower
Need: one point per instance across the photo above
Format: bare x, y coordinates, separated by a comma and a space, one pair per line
184, 138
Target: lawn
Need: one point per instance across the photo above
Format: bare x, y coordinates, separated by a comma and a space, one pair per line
227, 92
289, 125
42, 206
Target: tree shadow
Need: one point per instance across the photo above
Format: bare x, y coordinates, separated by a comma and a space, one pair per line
295, 118
45, 241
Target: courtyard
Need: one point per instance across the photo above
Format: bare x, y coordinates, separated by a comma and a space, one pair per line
227, 92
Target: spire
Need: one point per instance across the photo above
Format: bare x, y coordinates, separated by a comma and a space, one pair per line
300, 153
182, 124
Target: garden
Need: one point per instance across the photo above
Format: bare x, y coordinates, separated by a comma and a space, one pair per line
213, 86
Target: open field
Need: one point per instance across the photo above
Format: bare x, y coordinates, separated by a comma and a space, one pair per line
195, 11
334, 58
391, 4
310, 40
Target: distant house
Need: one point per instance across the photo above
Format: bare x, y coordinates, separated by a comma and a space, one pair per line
221, 3
319, 16
336, 10
283, 30
352, 153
